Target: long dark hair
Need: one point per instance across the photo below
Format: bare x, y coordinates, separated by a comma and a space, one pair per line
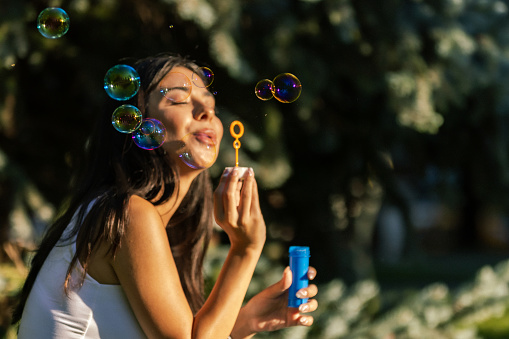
113, 169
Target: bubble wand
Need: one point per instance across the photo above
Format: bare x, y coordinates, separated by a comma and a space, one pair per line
236, 142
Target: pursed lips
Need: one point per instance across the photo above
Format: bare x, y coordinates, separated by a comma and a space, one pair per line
206, 136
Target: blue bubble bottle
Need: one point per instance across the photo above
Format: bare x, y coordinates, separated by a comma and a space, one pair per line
299, 265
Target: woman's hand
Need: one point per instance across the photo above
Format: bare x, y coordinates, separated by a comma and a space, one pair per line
269, 311
237, 210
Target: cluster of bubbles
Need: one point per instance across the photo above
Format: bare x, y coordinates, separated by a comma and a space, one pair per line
53, 22
285, 87
121, 83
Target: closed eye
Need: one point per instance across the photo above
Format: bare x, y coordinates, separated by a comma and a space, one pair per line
176, 94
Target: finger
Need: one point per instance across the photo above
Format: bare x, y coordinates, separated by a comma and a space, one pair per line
286, 280
311, 273
310, 306
307, 292
230, 196
281, 287
305, 320
247, 194
255, 205
218, 195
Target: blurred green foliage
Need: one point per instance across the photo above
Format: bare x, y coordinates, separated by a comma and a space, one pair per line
392, 91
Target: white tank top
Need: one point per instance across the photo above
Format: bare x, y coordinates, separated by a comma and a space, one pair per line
93, 311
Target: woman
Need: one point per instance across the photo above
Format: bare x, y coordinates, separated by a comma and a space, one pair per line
125, 259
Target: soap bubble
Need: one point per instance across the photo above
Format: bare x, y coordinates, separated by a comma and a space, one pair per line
286, 87
126, 118
150, 135
204, 74
53, 22
178, 87
198, 150
263, 89
121, 82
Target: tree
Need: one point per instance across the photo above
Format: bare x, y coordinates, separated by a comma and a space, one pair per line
390, 89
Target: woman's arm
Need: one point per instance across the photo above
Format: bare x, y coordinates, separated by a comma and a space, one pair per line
245, 227
147, 272
148, 275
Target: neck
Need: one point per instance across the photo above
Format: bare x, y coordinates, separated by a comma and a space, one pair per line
168, 209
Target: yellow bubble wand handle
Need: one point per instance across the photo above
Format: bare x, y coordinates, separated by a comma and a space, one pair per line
236, 143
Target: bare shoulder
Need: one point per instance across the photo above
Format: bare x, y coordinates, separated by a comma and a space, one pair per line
144, 224
144, 231
143, 211
138, 204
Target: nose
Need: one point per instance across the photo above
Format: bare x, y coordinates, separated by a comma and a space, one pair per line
203, 112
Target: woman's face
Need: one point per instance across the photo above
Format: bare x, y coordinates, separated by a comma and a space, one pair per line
187, 110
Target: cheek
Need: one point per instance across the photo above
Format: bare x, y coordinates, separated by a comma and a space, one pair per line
171, 131
220, 129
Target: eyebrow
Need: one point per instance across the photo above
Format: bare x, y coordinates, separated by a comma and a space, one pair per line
182, 88
209, 94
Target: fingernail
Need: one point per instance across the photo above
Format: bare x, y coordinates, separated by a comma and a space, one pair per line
250, 172
302, 294
226, 172
303, 320
304, 308
235, 171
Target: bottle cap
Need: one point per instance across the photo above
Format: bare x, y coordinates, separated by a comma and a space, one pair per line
299, 251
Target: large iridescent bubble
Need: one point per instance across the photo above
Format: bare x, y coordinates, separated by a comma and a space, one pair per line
150, 135
53, 22
126, 118
198, 150
286, 87
121, 82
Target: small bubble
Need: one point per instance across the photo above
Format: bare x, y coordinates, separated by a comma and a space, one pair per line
171, 26
263, 89
126, 118
148, 127
53, 22
150, 135
286, 87
203, 77
198, 150
121, 82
